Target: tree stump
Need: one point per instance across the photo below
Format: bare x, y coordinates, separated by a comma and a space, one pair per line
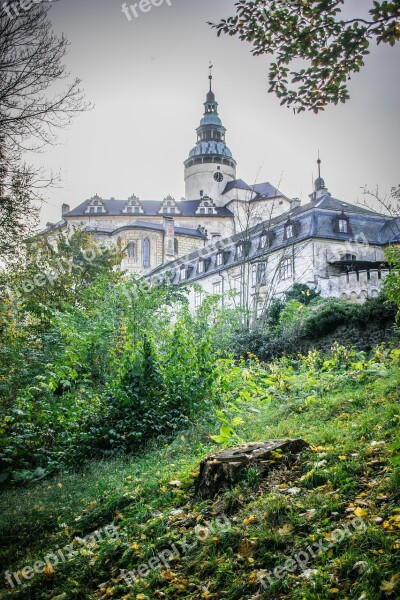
224, 469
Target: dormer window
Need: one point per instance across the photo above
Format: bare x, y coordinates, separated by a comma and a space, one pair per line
133, 206
263, 239
219, 259
206, 206
341, 224
96, 206
288, 230
200, 266
239, 251
169, 206
182, 274
292, 229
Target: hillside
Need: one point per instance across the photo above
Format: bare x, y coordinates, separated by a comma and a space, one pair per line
327, 527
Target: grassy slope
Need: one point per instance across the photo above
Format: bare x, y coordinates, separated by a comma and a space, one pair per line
269, 522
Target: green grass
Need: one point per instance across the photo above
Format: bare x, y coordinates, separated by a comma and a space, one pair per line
269, 522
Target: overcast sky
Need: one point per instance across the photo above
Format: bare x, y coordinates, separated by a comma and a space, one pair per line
148, 78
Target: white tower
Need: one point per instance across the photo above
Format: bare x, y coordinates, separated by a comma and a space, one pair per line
210, 165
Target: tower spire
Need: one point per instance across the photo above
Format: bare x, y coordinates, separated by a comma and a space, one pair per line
319, 166
210, 77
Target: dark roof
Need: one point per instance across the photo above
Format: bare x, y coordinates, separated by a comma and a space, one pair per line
315, 222
262, 190
236, 184
390, 232
266, 190
151, 226
151, 208
334, 204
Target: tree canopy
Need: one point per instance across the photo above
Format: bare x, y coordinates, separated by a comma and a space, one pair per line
315, 47
37, 98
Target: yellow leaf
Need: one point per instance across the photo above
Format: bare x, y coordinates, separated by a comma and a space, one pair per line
48, 570
388, 586
360, 512
135, 546
249, 520
285, 529
334, 591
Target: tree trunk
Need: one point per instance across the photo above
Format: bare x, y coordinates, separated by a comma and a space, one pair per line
224, 469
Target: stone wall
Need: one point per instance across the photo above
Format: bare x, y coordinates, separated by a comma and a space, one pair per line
355, 286
354, 336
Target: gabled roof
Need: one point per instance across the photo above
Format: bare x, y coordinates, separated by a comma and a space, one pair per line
261, 190
236, 184
151, 208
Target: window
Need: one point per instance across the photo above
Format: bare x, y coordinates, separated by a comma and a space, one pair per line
92, 209
182, 274
261, 273
288, 231
253, 275
341, 224
239, 251
263, 240
131, 248
286, 268
217, 287
219, 259
146, 253
236, 284
200, 266
176, 246
198, 298
351, 257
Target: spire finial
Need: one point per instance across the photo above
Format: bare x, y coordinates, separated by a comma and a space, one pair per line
319, 166
210, 77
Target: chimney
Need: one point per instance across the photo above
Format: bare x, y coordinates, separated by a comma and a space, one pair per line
169, 243
65, 209
295, 203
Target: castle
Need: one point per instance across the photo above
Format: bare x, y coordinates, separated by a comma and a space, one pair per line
247, 243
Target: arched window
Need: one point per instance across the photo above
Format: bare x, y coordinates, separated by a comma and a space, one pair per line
131, 248
176, 246
146, 253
